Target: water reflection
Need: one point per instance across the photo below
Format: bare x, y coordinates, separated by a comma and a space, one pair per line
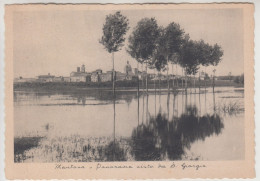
163, 139
88, 97
131, 126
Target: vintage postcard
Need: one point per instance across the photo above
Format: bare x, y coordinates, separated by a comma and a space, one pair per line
129, 91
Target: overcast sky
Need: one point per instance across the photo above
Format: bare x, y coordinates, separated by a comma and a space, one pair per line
57, 42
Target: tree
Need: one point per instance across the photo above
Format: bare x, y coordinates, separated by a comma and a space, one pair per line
170, 42
114, 29
215, 58
209, 55
189, 58
215, 55
204, 53
175, 61
159, 63
133, 50
142, 42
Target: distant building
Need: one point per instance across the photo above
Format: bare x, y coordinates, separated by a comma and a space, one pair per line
128, 69
83, 68
58, 79
80, 75
66, 79
98, 71
106, 77
21, 79
46, 78
95, 77
120, 76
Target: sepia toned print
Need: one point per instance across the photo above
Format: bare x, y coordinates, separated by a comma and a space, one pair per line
102, 90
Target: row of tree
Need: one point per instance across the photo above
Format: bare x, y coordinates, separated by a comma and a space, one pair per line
156, 47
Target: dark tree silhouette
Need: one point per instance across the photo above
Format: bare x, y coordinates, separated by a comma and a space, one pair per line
170, 42
209, 55
159, 63
114, 29
189, 58
142, 42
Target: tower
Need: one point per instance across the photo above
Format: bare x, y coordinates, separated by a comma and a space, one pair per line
128, 68
83, 68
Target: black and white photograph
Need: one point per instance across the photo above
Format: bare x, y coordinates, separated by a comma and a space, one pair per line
130, 84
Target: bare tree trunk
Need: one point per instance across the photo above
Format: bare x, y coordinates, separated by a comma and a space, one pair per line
143, 76
182, 79
147, 110
154, 82
138, 80
154, 93
214, 103
173, 78
213, 81
199, 106
114, 105
159, 80
114, 108
205, 79
194, 82
160, 86
168, 108
185, 81
113, 73
146, 79
138, 108
168, 74
177, 83
199, 82
143, 111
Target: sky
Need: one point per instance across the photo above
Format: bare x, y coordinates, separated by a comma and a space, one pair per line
58, 41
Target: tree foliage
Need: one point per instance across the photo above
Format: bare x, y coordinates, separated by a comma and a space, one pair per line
142, 41
208, 54
159, 62
170, 40
158, 46
216, 54
114, 29
189, 57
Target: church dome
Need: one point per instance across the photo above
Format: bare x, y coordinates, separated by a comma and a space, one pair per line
128, 68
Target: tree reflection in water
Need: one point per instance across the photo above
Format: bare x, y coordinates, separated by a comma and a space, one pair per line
163, 139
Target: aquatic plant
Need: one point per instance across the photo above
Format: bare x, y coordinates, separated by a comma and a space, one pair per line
23, 144
75, 148
230, 107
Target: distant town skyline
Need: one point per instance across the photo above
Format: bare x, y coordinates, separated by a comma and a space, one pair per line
59, 41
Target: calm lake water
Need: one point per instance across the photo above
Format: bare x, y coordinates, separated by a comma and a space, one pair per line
92, 126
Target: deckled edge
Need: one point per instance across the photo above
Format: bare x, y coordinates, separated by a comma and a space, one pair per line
3, 67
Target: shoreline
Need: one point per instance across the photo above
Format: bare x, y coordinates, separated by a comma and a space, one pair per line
121, 87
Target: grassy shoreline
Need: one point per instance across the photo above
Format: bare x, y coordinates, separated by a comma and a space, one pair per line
120, 85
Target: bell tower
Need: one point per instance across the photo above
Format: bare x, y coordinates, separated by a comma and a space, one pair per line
83, 68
